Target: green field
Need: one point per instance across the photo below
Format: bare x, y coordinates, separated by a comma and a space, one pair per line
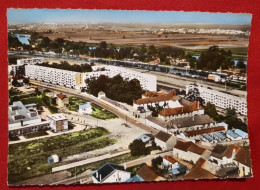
29, 159
102, 113
74, 103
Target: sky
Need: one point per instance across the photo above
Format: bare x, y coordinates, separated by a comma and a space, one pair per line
18, 16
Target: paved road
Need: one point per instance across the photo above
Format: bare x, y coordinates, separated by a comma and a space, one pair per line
101, 104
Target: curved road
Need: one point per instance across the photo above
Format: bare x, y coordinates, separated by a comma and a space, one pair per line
101, 104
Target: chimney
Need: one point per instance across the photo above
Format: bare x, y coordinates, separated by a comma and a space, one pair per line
233, 154
193, 118
125, 166
99, 177
96, 174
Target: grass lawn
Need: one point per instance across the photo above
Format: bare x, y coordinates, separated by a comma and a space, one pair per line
36, 134
75, 102
102, 113
94, 166
29, 159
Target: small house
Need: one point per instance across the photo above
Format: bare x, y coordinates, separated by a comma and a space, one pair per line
53, 159
165, 140
85, 108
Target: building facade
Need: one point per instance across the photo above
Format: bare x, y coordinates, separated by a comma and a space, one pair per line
24, 119
57, 122
221, 99
30, 61
147, 82
55, 76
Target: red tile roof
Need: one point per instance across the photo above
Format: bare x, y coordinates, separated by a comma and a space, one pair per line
170, 159
62, 96
196, 149
180, 110
156, 99
203, 131
147, 173
242, 155
183, 145
163, 136
197, 172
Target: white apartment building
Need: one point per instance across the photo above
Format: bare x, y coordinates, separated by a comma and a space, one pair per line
30, 61
24, 119
148, 82
55, 76
221, 99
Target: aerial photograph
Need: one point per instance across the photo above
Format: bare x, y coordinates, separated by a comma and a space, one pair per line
122, 96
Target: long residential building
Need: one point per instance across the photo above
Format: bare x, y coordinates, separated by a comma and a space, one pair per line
147, 82
55, 76
30, 61
221, 99
76, 80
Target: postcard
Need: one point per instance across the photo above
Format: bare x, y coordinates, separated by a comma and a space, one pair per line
118, 96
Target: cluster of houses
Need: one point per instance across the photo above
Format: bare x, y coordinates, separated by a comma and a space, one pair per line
187, 161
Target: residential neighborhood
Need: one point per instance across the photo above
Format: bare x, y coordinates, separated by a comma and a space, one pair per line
100, 116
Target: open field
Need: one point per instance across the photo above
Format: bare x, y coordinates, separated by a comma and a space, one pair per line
29, 159
137, 38
102, 113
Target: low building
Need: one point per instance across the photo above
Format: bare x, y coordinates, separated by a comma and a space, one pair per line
166, 101
85, 108
24, 119
57, 122
233, 154
53, 159
146, 138
198, 172
181, 112
233, 135
147, 173
169, 162
62, 100
111, 173
101, 94
165, 140
189, 151
181, 125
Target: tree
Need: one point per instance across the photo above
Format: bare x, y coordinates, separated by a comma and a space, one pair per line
37, 92
241, 64
103, 45
233, 121
26, 81
15, 83
137, 148
156, 162
194, 95
211, 110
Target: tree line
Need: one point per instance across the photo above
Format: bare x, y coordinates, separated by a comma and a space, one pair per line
66, 66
